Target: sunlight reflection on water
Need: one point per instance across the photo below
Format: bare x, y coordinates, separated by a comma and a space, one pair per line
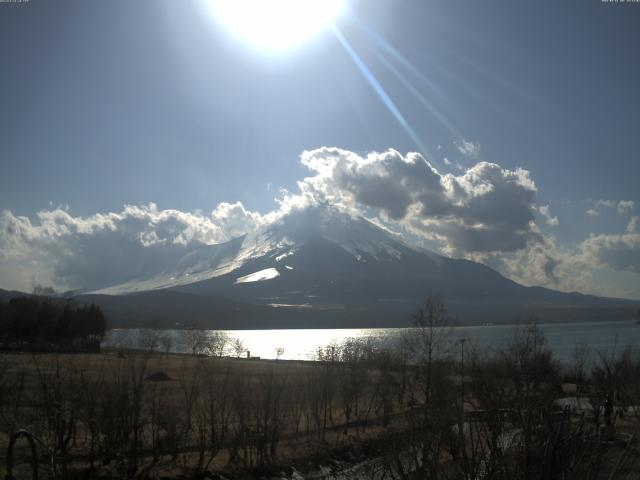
302, 344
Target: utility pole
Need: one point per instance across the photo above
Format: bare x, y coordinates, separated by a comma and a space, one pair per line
462, 340
463, 443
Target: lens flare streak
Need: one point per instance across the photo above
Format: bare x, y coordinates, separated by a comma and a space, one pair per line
421, 98
380, 91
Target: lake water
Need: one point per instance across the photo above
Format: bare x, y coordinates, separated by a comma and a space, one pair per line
301, 344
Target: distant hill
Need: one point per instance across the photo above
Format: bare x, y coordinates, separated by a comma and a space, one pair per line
6, 295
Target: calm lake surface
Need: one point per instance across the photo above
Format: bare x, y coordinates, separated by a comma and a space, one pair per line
301, 344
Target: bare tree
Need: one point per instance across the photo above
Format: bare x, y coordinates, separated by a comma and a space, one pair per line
217, 343
279, 352
238, 347
416, 447
167, 343
195, 340
352, 377
215, 414
190, 385
579, 359
56, 420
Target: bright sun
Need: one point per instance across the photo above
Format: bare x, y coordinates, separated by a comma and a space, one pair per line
276, 24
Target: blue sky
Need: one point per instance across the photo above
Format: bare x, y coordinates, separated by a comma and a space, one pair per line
106, 104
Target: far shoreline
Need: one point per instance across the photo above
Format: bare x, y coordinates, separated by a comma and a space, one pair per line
392, 327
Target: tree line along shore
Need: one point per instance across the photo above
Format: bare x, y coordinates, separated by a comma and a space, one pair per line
42, 323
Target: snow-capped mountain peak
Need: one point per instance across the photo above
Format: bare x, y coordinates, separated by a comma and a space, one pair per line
357, 236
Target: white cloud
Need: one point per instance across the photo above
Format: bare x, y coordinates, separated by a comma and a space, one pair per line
616, 252
543, 262
625, 206
551, 220
235, 220
470, 149
632, 226
605, 203
576, 268
592, 213
103, 249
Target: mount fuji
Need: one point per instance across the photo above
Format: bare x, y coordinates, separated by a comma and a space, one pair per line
317, 268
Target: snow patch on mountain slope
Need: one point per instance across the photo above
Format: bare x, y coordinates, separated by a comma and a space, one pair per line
262, 275
284, 255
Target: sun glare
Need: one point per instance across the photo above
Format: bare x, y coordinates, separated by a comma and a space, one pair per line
276, 25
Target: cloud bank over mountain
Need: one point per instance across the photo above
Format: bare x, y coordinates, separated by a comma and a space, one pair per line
89, 252
486, 209
485, 213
